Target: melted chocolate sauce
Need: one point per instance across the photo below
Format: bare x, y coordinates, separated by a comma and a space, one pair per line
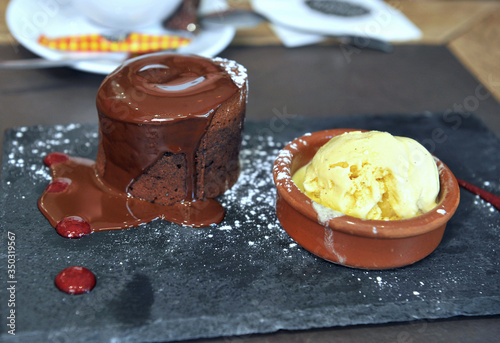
87, 200
75, 280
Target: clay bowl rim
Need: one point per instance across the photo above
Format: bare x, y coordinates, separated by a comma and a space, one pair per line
283, 168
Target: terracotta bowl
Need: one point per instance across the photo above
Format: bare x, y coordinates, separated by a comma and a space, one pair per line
350, 241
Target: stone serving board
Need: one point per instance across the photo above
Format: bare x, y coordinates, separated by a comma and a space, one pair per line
165, 282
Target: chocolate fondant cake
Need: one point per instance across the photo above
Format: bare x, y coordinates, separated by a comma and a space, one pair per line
170, 127
170, 134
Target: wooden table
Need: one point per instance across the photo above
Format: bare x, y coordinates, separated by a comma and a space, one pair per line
454, 67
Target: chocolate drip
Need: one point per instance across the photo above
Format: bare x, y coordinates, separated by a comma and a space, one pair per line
130, 148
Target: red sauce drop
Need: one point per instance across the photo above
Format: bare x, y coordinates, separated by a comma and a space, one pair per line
73, 227
58, 185
75, 280
54, 158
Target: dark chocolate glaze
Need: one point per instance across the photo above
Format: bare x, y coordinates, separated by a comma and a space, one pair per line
154, 105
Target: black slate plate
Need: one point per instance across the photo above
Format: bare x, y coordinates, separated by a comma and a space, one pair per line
162, 282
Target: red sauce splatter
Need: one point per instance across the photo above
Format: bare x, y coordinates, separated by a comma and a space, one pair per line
58, 185
54, 158
75, 280
73, 227
489, 197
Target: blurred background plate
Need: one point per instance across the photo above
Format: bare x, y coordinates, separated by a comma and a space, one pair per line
368, 18
27, 19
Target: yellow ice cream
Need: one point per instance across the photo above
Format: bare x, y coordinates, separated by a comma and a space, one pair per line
372, 175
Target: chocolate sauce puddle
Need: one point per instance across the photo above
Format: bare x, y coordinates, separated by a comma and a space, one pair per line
105, 208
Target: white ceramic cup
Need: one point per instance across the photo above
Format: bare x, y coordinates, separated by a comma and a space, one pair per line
126, 14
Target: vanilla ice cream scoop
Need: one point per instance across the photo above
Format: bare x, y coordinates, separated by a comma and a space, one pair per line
372, 175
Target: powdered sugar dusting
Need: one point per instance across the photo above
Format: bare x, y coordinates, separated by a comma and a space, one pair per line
252, 195
283, 160
26, 152
237, 72
330, 244
325, 213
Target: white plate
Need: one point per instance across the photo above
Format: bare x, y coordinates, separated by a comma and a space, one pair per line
382, 22
27, 19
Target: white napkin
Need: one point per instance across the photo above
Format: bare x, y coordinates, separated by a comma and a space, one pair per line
210, 6
297, 24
